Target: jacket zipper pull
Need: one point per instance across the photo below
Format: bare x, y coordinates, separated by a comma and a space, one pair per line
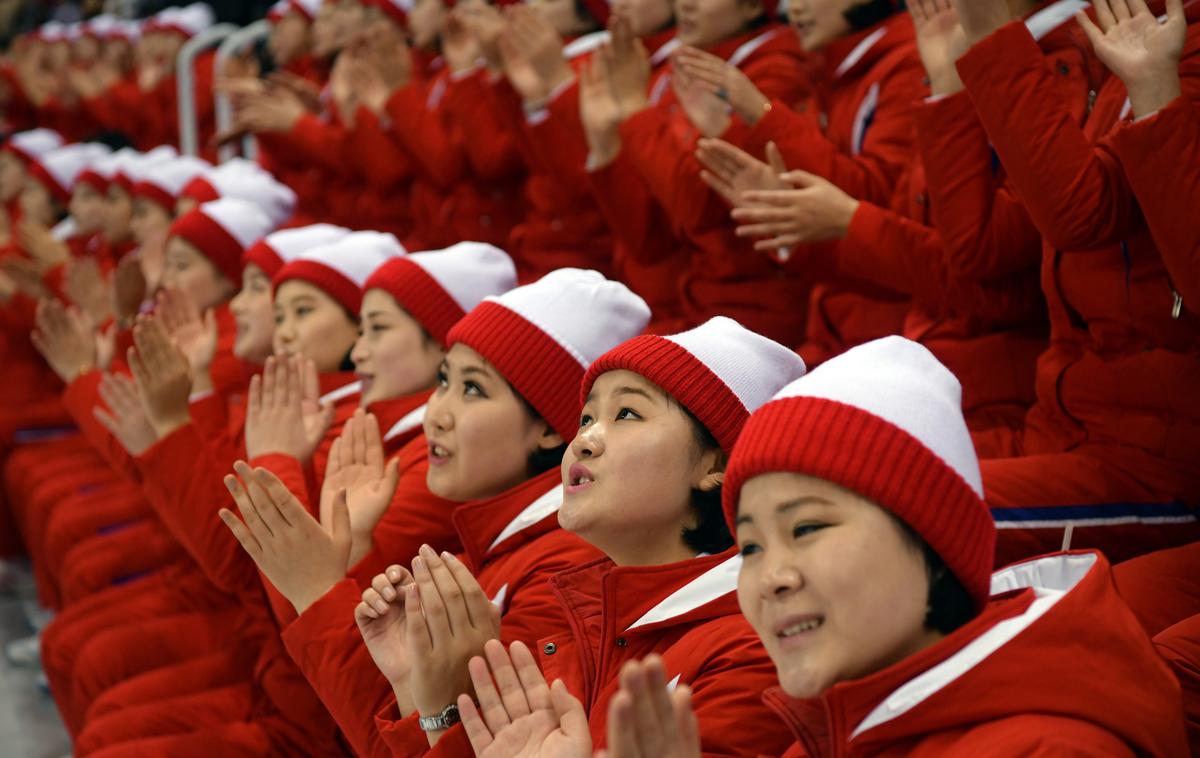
1177, 305
1091, 100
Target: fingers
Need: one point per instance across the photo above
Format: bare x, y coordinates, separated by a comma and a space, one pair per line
530, 675
479, 607
416, 626
1104, 14
281, 497
622, 731
477, 730
775, 159
358, 436
571, 717
1119, 10
1093, 32
260, 502
491, 706
246, 508
372, 441
244, 535
512, 692
686, 724
445, 608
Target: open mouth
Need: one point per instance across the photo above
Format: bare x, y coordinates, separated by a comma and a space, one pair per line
795, 632
578, 478
438, 454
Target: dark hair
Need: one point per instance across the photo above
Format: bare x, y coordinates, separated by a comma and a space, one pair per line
585, 15
710, 533
542, 459
866, 14
347, 363
950, 605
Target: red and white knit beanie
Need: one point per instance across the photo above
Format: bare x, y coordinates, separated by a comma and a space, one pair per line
33, 144
162, 181
720, 371
58, 169
340, 268
102, 171
131, 170
245, 180
883, 420
222, 230
277, 249
397, 10
188, 21
306, 8
439, 287
542, 337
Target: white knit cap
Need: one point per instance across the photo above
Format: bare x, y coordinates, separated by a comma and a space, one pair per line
720, 371
101, 26
277, 249
246, 180
127, 30
59, 168
307, 8
568, 318
34, 143
439, 287
188, 21
162, 181
133, 168
53, 31
222, 230
340, 268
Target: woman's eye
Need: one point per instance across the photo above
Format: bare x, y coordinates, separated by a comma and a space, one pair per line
472, 389
627, 413
377, 328
442, 379
749, 548
303, 311
278, 319
803, 530
584, 421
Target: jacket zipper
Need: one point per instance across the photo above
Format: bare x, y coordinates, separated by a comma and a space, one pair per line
1177, 304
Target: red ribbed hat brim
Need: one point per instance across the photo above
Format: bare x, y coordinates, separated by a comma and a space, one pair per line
860, 451
327, 279
211, 239
419, 294
530, 360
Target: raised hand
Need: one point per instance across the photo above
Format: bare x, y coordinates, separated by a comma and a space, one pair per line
381, 621
707, 112
356, 465
163, 376
26, 276
731, 171
940, 41
979, 18
45, 250
65, 338
87, 288
519, 716
283, 414
195, 334
598, 109
449, 619
644, 719
817, 211
629, 67
1137, 48
541, 50
723, 80
129, 289
306, 93
459, 47
342, 85
486, 24
276, 110
124, 417
302, 558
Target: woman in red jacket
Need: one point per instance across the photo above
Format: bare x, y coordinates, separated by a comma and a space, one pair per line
490, 463
866, 545
1116, 415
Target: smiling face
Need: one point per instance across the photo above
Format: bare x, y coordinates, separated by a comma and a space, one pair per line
149, 220
818, 22
829, 582
312, 324
393, 356
704, 23
630, 472
480, 432
255, 316
186, 268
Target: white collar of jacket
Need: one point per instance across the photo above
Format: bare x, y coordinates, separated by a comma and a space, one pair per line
717, 582
585, 44
1050, 578
748, 48
532, 514
860, 50
410, 421
341, 393
1053, 16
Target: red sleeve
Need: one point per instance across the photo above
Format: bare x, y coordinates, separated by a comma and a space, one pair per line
1074, 190
183, 481
983, 225
296, 476
490, 142
660, 144
323, 143
432, 140
1161, 158
376, 154
325, 643
639, 224
870, 174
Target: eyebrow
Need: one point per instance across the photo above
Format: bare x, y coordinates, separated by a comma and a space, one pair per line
376, 314
787, 507
624, 391
481, 371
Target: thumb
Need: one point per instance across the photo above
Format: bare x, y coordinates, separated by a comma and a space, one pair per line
775, 158
569, 711
802, 179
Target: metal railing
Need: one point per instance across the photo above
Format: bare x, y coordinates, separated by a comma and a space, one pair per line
185, 79
233, 45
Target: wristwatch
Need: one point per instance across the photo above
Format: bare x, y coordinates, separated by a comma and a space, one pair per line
444, 720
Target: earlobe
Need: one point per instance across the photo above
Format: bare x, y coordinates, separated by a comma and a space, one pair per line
550, 439
711, 481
